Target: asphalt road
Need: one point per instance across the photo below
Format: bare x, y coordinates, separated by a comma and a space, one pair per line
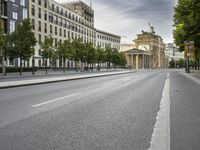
105, 113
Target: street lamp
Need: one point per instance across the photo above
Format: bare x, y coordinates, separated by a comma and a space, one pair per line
174, 54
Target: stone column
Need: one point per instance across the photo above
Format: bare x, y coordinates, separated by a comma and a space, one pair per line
137, 61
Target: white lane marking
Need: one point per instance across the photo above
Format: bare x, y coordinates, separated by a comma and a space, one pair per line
117, 81
160, 139
54, 100
106, 85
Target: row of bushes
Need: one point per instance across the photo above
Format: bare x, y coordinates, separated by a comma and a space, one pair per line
12, 69
29, 69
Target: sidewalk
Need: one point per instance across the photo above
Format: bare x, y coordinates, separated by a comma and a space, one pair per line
15, 82
194, 75
41, 73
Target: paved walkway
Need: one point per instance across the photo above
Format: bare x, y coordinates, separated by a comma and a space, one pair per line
56, 78
196, 74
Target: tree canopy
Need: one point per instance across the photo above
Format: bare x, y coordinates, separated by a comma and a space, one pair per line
22, 42
187, 22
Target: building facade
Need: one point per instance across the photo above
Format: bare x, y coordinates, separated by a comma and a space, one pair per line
104, 39
154, 44
51, 18
71, 20
172, 52
12, 13
138, 59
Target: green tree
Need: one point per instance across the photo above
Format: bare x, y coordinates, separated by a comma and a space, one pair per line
108, 56
180, 63
187, 23
65, 52
172, 63
48, 50
122, 59
78, 52
115, 58
90, 54
100, 57
2, 50
23, 40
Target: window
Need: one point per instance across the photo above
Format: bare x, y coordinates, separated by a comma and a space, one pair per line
51, 17
39, 2
45, 15
39, 12
12, 1
33, 10
22, 2
15, 15
40, 38
64, 33
39, 26
33, 24
57, 9
45, 3
45, 27
65, 13
25, 13
52, 7
61, 12
12, 26
60, 21
51, 29
56, 31
33, 1
60, 31
56, 42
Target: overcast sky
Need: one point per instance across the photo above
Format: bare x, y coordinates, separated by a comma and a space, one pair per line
129, 17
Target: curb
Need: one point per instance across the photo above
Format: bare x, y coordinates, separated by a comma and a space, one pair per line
67, 79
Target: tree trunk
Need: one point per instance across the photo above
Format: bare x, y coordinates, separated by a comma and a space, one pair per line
20, 66
64, 65
33, 65
92, 66
76, 66
3, 63
46, 66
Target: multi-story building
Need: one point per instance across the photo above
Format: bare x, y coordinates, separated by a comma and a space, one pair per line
82, 9
51, 18
104, 39
3, 13
12, 13
71, 20
172, 52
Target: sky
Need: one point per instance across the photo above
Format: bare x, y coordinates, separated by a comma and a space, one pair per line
128, 18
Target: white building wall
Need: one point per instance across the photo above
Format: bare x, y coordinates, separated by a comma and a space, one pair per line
103, 39
70, 28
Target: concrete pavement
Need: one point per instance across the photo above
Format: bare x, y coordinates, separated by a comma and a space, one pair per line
56, 78
111, 112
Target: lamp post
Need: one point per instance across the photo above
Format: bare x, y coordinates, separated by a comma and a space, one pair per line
174, 54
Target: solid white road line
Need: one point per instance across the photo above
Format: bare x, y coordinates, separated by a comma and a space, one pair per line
160, 139
54, 100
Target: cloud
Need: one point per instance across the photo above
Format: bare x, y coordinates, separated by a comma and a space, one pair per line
129, 17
